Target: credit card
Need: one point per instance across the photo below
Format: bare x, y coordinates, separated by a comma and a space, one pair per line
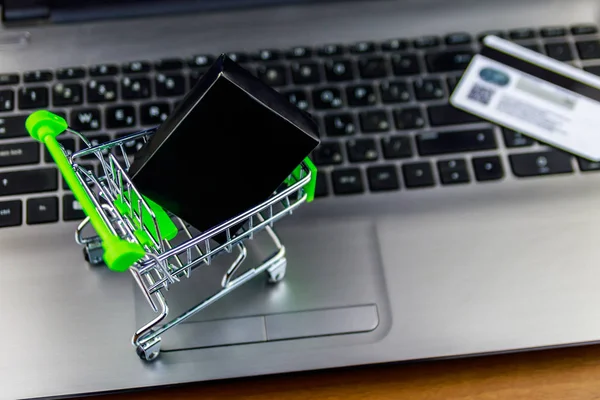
538, 96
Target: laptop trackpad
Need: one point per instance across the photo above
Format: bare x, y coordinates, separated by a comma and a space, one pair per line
333, 285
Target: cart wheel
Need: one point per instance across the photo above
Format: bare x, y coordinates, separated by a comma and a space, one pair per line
149, 352
276, 273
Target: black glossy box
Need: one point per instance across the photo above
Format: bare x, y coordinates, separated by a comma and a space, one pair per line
227, 146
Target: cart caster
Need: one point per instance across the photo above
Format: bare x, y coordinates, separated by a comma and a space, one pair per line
150, 350
92, 253
276, 272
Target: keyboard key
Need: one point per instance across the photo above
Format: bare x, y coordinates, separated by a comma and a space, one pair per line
120, 117
37, 76
409, 118
522, 33
396, 147
347, 181
67, 143
394, 92
458, 38
297, 98
33, 97
131, 146
362, 150
540, 163
372, 67
135, 67
452, 81
103, 70
42, 210
9, 79
94, 140
328, 154
448, 60
588, 49
418, 175
453, 171
455, 141
394, 45
363, 48
100, 91
169, 85
361, 95
168, 64
7, 100
587, 165
28, 181
195, 76
154, 113
327, 98
488, 168
584, 29
339, 70
201, 61
13, 127
426, 42
448, 115
429, 89
594, 69
515, 139
267, 55
305, 73
374, 121
238, 56
559, 51
330, 50
135, 87
405, 64
298, 52
70, 73
11, 213
532, 46
339, 125
19, 154
494, 32
322, 187
85, 119
272, 75
553, 31
72, 210
67, 94
383, 178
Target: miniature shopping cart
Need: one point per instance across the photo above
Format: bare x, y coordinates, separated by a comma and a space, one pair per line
132, 233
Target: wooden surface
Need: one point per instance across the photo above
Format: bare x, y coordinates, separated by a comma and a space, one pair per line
565, 374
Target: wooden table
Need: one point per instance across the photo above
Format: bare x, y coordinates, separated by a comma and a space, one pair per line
565, 374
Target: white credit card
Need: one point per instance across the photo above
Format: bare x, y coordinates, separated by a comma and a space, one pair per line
543, 98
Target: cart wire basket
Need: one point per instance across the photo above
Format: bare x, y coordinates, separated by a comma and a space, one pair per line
132, 233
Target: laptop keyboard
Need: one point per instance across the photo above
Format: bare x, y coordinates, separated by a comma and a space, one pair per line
383, 108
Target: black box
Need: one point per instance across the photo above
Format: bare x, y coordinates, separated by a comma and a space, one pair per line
227, 146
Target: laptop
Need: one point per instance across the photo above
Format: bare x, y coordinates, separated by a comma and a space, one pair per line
434, 234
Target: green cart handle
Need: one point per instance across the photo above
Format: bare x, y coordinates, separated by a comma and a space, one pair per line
119, 254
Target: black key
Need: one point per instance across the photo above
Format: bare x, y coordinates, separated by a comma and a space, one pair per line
72, 210
327, 98
584, 29
419, 174
67, 94
396, 147
363, 48
448, 115
452, 81
7, 100
135, 87
339, 125
297, 98
28, 181
455, 141
120, 117
331, 50
136, 67
154, 113
238, 56
559, 51
328, 154
372, 67
426, 42
347, 181
429, 89
10, 213
409, 118
67, 143
70, 73
298, 52
9, 79
131, 146
168, 64
488, 168
588, 49
500, 34
458, 38
587, 165
306, 72
38, 76
532, 46
362, 150
448, 60
201, 61
103, 70
267, 55
540, 163
13, 126
195, 76
374, 121
33, 97
273, 74
42, 210
394, 92
100, 91
383, 178
405, 64
338, 70
85, 119
515, 139
394, 45
361, 95
322, 187
594, 69
169, 85
94, 140
522, 33
453, 171
19, 154
553, 31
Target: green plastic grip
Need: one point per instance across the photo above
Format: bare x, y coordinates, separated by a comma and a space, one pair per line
119, 254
